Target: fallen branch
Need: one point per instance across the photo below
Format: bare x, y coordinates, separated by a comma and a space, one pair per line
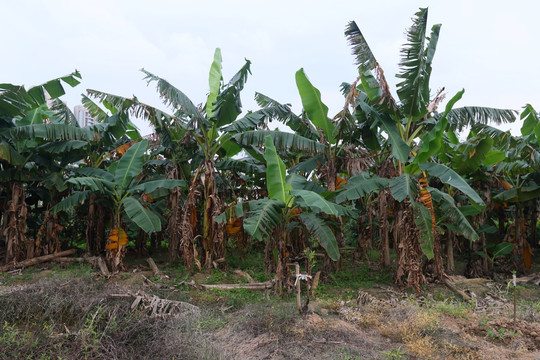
154, 267
534, 278
155, 306
93, 260
103, 267
254, 286
70, 259
453, 287
36, 260
463, 280
245, 275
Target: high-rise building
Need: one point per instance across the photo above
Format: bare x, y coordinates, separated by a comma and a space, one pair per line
83, 116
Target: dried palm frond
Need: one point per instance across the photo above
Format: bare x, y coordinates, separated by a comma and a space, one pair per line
432, 107
357, 159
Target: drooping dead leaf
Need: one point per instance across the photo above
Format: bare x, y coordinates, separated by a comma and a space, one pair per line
339, 182
121, 150
505, 185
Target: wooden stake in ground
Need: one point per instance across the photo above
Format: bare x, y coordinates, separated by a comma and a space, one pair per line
298, 287
514, 282
297, 282
36, 260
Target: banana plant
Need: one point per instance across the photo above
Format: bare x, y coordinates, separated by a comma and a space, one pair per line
120, 184
273, 218
33, 141
116, 134
195, 139
414, 132
516, 176
314, 132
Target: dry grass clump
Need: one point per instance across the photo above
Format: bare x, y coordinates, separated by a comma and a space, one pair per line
410, 327
457, 352
79, 319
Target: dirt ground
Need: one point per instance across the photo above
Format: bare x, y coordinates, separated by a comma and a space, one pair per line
58, 314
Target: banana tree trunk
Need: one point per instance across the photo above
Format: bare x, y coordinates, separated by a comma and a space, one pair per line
283, 281
521, 236
533, 219
384, 228
502, 219
140, 243
48, 231
95, 227
213, 232
331, 173
174, 227
409, 253
450, 265
14, 224
438, 270
270, 264
485, 261
188, 226
116, 256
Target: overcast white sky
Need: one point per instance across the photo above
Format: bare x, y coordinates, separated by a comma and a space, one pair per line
490, 48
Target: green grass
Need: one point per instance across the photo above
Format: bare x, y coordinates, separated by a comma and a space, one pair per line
345, 283
251, 263
458, 310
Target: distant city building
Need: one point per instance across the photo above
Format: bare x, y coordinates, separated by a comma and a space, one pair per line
83, 116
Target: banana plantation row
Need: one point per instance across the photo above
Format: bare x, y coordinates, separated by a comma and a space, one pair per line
212, 180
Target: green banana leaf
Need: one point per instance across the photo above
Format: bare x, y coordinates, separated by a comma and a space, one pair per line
214, 81
312, 199
94, 172
51, 132
278, 188
432, 143
228, 106
95, 184
359, 186
150, 186
450, 210
141, 216
263, 217
494, 156
522, 194
69, 203
316, 110
301, 183
402, 187
450, 177
130, 165
423, 220
322, 232
64, 146
10, 155
469, 158
400, 150
413, 69
282, 140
